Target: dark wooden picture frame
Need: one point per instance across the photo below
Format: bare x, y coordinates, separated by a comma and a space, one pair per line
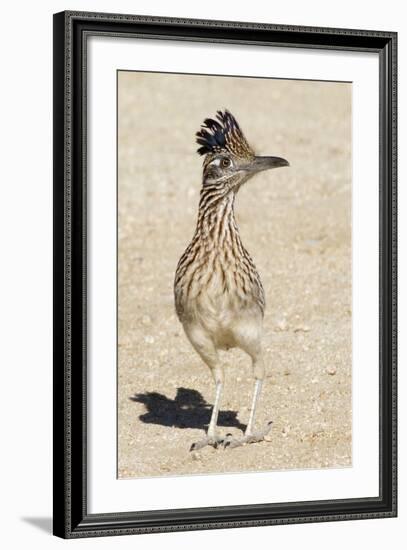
71, 518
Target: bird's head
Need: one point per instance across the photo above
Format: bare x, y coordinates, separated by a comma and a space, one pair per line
229, 159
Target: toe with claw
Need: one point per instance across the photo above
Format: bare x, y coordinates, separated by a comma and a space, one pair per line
254, 437
211, 440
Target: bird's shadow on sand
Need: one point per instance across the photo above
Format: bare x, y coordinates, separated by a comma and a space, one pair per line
188, 410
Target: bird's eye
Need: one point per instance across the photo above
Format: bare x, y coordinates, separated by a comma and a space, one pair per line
225, 163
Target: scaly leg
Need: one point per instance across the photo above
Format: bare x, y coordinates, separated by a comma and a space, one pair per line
251, 436
211, 437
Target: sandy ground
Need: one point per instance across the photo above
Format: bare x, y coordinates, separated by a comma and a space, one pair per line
295, 222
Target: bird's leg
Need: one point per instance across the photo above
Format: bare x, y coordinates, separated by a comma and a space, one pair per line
251, 436
257, 389
204, 345
212, 438
215, 411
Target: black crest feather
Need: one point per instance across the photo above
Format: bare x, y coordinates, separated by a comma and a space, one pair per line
223, 134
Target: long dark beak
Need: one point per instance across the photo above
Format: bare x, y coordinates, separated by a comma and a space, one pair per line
266, 163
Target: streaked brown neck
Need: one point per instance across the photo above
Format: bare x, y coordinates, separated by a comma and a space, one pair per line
216, 224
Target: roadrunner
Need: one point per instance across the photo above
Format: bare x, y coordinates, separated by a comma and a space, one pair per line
219, 297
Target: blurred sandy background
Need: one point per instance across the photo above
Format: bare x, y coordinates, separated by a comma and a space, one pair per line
295, 222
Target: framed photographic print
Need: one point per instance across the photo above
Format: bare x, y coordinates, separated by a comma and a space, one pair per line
224, 274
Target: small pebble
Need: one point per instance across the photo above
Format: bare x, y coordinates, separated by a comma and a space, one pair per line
331, 370
285, 431
302, 328
149, 339
281, 324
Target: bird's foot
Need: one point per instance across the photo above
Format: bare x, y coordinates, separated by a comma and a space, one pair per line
214, 441
253, 437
